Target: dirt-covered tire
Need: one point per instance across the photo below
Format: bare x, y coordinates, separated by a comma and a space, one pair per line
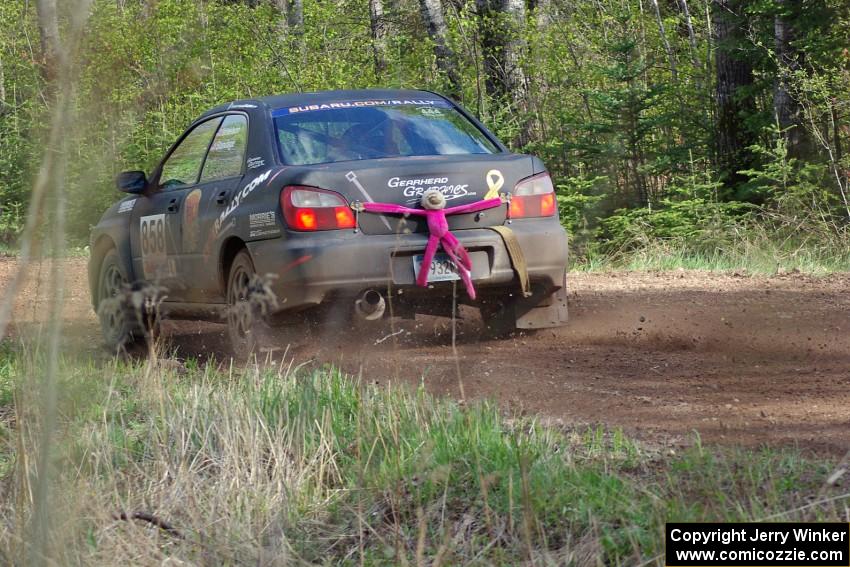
116, 320
243, 316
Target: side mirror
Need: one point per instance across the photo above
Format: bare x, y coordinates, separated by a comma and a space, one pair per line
132, 182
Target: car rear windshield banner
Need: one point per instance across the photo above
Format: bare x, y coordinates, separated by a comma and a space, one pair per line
761, 545
359, 104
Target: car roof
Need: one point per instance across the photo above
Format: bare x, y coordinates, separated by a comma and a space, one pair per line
274, 102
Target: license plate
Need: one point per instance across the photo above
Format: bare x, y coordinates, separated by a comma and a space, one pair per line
442, 268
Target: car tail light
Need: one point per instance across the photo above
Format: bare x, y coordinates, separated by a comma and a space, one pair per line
308, 208
534, 197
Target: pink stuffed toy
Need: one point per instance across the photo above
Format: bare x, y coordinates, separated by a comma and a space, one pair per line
435, 213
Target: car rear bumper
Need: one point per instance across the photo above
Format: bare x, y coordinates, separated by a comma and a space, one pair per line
309, 268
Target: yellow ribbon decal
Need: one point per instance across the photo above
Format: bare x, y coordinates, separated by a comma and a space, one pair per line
495, 180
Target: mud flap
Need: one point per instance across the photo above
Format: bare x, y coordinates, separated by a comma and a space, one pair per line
548, 313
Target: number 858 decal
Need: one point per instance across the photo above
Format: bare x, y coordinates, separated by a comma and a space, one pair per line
153, 234
154, 246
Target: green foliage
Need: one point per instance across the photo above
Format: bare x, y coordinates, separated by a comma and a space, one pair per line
691, 213
789, 185
577, 198
8, 374
19, 111
11, 221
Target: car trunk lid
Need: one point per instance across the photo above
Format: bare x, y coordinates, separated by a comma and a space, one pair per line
461, 178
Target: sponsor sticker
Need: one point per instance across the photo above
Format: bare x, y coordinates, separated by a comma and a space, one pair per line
265, 232
360, 104
263, 224
223, 145
431, 112
242, 105
255, 162
127, 206
261, 220
414, 188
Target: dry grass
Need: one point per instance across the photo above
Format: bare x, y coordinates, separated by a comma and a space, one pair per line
774, 244
289, 466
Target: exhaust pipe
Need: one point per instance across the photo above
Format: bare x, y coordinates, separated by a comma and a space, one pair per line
370, 306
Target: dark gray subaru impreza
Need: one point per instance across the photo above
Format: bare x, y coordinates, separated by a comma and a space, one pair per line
264, 196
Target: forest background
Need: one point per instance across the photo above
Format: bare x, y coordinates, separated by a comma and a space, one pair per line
696, 133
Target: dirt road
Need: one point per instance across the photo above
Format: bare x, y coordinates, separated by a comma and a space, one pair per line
736, 359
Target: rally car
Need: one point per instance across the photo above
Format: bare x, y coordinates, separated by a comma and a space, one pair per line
264, 196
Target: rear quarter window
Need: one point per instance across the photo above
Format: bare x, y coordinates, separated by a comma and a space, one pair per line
227, 152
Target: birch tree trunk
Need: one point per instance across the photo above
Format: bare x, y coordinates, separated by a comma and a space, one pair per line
686, 12
663, 32
292, 12
48, 31
377, 24
734, 74
514, 45
295, 16
432, 15
542, 10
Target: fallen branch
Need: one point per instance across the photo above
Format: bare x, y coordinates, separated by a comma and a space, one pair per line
152, 520
391, 335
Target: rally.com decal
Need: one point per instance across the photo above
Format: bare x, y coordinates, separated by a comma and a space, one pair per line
239, 198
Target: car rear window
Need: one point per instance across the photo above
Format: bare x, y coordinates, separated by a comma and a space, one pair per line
345, 131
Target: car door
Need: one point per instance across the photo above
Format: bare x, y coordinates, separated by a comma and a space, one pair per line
156, 228
222, 173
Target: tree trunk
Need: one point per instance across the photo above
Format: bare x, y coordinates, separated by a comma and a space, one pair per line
432, 15
542, 14
514, 45
501, 25
542, 10
295, 16
292, 15
515, 80
734, 75
48, 30
377, 24
691, 35
836, 130
2, 86
663, 32
487, 16
789, 114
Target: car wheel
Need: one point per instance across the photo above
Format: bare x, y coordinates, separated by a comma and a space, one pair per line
243, 316
116, 321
